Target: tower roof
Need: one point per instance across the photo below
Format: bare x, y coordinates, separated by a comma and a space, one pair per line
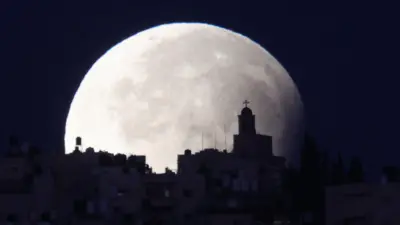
246, 110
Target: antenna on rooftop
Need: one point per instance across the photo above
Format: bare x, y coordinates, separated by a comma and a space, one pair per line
202, 140
225, 136
215, 139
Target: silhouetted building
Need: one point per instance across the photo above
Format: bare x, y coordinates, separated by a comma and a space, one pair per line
88, 187
161, 198
248, 143
390, 174
247, 180
362, 204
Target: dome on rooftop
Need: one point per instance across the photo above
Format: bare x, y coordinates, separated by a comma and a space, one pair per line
246, 111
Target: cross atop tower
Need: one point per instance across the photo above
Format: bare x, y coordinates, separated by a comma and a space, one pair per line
246, 102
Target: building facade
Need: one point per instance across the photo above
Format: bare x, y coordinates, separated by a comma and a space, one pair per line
210, 186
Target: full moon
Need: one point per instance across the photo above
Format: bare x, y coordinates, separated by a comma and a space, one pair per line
181, 86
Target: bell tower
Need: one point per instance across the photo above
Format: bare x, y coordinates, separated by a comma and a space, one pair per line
247, 143
246, 120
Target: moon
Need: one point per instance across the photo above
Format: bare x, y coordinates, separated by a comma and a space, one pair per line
181, 86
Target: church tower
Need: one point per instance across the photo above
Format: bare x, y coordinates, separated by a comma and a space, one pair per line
247, 143
246, 120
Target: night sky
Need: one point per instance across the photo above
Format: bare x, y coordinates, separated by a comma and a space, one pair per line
343, 58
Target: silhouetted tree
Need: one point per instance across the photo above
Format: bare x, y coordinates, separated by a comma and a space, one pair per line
356, 172
168, 170
33, 151
309, 174
13, 141
290, 178
326, 176
338, 172
14, 147
89, 150
342, 172
392, 173
120, 159
291, 188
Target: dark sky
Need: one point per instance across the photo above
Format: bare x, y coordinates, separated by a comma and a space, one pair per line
343, 57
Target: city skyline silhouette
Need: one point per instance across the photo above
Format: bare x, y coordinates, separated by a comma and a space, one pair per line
341, 56
249, 184
325, 55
